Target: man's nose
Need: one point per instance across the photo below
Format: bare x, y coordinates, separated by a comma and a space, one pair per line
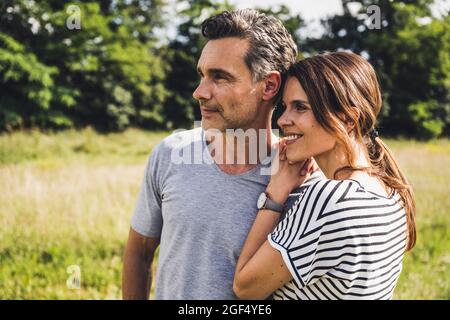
202, 92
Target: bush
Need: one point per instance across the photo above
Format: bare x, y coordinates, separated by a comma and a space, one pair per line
425, 117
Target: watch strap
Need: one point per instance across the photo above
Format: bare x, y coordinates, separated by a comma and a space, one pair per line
274, 206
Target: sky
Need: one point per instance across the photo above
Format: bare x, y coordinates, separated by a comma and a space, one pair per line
316, 9
310, 10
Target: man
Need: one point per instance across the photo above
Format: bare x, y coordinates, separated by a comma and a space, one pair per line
200, 214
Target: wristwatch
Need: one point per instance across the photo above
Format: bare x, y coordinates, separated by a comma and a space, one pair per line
264, 202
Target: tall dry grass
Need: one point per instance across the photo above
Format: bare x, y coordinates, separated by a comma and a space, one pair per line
66, 199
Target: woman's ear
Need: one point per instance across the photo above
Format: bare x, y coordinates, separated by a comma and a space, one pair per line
348, 121
272, 84
350, 125
356, 116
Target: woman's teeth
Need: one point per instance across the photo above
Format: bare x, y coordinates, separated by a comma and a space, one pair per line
293, 137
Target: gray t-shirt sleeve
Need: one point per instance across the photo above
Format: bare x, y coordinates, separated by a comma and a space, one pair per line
147, 216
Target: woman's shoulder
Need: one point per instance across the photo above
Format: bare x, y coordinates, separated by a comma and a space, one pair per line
327, 187
314, 194
327, 195
346, 187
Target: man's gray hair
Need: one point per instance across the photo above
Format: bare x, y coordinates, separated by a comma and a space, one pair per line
271, 46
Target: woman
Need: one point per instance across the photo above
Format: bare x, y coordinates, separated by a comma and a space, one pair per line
345, 236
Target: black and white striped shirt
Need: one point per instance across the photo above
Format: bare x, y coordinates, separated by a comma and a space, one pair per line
341, 241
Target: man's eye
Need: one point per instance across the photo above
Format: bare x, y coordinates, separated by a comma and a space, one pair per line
219, 76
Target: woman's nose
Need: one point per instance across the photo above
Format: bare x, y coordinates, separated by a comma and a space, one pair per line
284, 120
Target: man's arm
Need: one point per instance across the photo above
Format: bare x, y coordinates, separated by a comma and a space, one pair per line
137, 266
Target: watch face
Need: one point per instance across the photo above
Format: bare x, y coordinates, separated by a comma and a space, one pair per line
261, 200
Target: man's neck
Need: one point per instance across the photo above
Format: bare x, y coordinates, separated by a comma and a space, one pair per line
238, 151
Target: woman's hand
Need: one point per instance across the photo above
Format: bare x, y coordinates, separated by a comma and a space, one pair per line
287, 175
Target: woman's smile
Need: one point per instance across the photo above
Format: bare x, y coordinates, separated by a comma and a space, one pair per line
292, 138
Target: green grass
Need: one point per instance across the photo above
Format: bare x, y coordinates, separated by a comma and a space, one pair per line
131, 146
67, 198
426, 269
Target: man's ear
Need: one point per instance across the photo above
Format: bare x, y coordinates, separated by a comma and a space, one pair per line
271, 85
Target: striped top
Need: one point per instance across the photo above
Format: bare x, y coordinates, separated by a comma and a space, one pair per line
341, 241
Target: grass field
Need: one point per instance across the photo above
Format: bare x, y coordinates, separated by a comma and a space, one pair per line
67, 198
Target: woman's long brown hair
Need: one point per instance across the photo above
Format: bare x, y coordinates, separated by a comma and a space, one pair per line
342, 88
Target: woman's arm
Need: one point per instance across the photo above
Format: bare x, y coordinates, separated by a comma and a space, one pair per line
260, 269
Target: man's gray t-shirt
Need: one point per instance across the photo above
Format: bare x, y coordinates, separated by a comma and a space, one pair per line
201, 214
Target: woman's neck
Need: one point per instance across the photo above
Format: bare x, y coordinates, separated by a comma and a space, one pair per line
334, 159
330, 161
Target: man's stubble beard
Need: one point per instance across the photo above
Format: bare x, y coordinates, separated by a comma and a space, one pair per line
238, 122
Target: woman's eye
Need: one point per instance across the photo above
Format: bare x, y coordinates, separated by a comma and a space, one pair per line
300, 107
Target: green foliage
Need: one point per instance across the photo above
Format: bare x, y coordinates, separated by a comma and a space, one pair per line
114, 72
107, 74
425, 116
27, 85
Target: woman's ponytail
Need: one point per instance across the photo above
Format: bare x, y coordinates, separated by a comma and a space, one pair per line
387, 170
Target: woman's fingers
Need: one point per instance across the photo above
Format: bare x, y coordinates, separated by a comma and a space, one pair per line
305, 168
283, 150
283, 154
314, 165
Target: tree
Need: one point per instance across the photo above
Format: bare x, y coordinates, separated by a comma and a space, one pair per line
27, 85
108, 73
